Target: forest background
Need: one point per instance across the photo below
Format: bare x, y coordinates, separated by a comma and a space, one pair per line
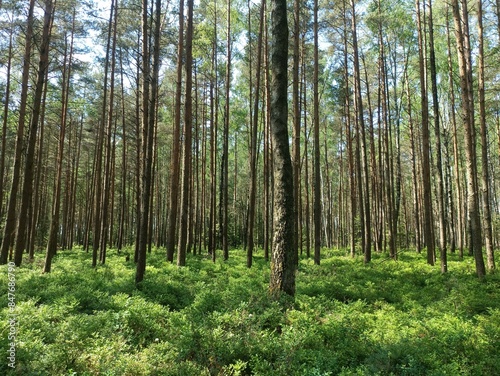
136, 133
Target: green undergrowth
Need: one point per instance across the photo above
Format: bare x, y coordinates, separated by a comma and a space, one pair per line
387, 318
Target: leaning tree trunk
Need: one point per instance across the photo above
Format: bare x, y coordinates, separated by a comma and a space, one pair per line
27, 191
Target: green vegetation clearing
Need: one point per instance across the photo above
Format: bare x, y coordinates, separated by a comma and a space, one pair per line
389, 318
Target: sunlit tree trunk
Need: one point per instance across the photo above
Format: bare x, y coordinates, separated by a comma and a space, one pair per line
485, 176
187, 150
438, 152
461, 19
426, 170
253, 148
176, 144
27, 191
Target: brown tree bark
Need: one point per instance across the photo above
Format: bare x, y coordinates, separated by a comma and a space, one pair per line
27, 191
317, 155
10, 222
296, 123
253, 148
485, 176
176, 144
426, 170
282, 262
464, 62
364, 180
110, 121
438, 152
4, 123
187, 150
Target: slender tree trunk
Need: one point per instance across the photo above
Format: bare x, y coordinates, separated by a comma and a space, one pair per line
54, 224
176, 144
4, 124
27, 191
38, 177
124, 168
469, 130
109, 145
224, 188
253, 149
485, 176
98, 200
426, 170
364, 203
296, 123
437, 132
149, 121
188, 126
317, 156
10, 222
456, 156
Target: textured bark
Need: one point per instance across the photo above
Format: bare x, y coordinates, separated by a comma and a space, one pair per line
188, 125
149, 121
464, 63
4, 123
110, 146
426, 170
364, 197
10, 222
253, 149
485, 176
316, 156
437, 131
282, 261
27, 191
176, 144
296, 123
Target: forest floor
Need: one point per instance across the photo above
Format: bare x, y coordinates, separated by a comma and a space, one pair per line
386, 318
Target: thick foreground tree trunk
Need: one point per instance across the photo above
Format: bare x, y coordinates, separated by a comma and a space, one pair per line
282, 261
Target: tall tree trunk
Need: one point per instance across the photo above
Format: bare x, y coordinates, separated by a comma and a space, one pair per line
149, 121
282, 262
296, 123
437, 132
469, 130
10, 222
100, 148
56, 205
253, 149
4, 123
485, 176
426, 169
188, 127
27, 191
109, 145
364, 197
456, 156
38, 177
224, 178
317, 156
176, 144
123, 189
